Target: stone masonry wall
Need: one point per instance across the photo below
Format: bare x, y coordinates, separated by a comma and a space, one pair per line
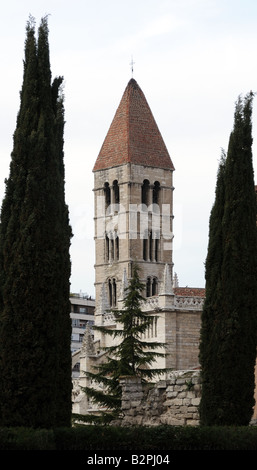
174, 401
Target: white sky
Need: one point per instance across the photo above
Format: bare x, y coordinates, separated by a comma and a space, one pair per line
192, 60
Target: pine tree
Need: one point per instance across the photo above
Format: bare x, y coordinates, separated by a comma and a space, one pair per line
35, 237
130, 355
229, 321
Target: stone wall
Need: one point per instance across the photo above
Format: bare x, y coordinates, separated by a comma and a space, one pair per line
174, 401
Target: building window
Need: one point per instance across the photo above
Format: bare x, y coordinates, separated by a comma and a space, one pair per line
148, 287
156, 249
79, 309
145, 246
78, 323
83, 309
112, 249
116, 192
151, 246
112, 292
156, 193
117, 248
107, 248
107, 194
151, 286
151, 330
145, 192
154, 286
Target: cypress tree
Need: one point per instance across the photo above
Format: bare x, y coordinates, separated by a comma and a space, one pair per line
35, 237
229, 320
212, 311
130, 355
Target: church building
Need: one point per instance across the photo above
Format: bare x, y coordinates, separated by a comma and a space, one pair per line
133, 198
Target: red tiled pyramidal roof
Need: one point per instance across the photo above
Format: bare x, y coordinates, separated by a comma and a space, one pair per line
133, 136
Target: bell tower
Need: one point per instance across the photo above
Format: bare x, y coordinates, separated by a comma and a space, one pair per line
133, 188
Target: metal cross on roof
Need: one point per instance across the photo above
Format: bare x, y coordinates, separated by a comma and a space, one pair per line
132, 65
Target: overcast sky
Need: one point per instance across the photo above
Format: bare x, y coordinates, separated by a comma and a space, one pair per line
193, 58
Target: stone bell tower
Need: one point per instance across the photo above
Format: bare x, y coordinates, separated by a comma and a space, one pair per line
133, 187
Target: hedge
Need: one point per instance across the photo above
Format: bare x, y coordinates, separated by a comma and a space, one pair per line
154, 439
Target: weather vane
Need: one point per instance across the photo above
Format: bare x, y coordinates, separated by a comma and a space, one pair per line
132, 65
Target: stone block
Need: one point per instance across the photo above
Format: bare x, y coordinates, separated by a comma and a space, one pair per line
171, 421
171, 394
186, 402
126, 404
172, 381
192, 422
135, 403
162, 384
178, 401
180, 381
196, 401
194, 410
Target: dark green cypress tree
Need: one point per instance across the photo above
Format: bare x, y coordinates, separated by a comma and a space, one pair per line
212, 310
229, 321
35, 237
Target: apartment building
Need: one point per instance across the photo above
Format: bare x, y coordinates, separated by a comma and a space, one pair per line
82, 313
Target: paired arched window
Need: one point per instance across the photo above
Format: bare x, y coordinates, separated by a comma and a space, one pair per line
112, 198
150, 194
151, 286
151, 238
112, 193
151, 331
151, 246
112, 247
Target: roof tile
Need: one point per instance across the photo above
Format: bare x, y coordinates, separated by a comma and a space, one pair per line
190, 291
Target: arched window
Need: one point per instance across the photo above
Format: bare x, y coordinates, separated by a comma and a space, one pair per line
116, 192
151, 286
112, 292
107, 248
150, 246
156, 193
148, 287
111, 249
154, 286
107, 194
117, 248
145, 192
145, 246
151, 330
111, 246
156, 249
